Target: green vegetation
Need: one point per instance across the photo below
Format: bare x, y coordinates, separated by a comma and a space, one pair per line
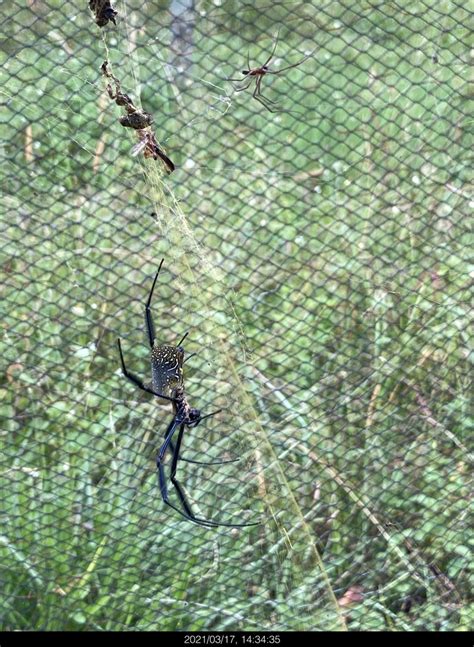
319, 259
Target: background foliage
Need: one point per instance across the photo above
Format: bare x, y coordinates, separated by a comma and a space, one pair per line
319, 258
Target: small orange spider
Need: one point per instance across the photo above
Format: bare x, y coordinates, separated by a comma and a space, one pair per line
258, 73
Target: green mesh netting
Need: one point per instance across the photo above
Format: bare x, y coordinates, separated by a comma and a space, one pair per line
318, 257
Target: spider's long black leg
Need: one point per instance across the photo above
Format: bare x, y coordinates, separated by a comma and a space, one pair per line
233, 460
188, 460
159, 460
174, 424
136, 380
189, 514
162, 479
243, 87
200, 419
209, 415
182, 339
148, 316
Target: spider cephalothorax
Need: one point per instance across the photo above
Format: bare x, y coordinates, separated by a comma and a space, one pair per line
183, 412
167, 384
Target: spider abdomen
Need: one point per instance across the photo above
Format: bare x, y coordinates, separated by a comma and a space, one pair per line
166, 368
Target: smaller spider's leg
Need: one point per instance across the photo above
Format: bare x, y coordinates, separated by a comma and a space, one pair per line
265, 99
148, 316
288, 67
136, 380
189, 357
258, 90
258, 93
243, 87
260, 98
273, 50
266, 103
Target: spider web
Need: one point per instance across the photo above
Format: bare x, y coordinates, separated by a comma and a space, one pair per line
224, 349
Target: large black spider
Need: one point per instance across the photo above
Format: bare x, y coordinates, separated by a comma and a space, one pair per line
167, 383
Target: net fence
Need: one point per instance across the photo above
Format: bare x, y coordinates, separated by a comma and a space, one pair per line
316, 249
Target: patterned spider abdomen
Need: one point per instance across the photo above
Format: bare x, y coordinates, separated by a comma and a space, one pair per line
166, 368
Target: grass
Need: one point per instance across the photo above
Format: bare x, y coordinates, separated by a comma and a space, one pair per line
320, 263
